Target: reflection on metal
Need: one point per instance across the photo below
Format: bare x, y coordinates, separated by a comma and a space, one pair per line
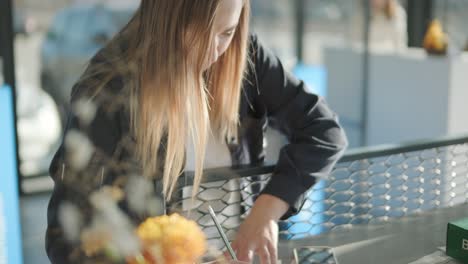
370, 185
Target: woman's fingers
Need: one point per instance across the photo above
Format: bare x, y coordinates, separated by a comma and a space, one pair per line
273, 253
264, 255
244, 253
267, 254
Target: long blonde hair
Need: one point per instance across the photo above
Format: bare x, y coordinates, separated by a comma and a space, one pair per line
173, 98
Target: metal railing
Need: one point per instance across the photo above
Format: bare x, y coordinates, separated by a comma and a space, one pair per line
368, 185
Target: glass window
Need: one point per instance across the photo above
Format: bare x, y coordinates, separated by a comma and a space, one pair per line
54, 40
452, 14
273, 22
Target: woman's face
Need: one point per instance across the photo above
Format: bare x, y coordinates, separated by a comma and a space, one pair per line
225, 24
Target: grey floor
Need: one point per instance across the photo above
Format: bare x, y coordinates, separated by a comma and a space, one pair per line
33, 224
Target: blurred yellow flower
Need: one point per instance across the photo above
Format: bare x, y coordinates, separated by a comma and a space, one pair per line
171, 240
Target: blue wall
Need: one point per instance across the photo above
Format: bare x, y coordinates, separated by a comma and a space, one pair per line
314, 76
10, 230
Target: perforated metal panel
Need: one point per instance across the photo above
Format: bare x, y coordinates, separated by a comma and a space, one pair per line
362, 189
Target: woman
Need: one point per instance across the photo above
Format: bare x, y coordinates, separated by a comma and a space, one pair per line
179, 72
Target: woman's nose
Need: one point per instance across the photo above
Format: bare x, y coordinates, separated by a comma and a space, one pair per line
214, 56
215, 53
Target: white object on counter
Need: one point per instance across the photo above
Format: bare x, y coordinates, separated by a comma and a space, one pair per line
411, 95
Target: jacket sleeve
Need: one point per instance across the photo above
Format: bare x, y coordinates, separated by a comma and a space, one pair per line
316, 140
85, 161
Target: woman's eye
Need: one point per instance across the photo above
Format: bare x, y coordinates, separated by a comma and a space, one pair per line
228, 33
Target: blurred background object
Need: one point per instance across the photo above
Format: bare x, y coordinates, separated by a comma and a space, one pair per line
39, 129
387, 29
24, 23
76, 33
54, 40
435, 40
452, 16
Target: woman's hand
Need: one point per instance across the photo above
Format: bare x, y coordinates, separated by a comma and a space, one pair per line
258, 234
